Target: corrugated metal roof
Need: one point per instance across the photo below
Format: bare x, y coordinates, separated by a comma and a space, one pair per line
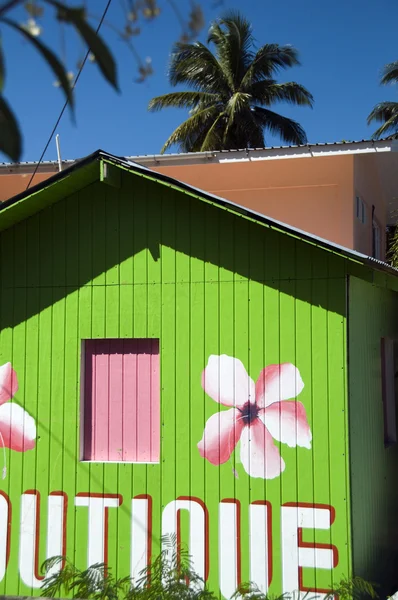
265, 148
217, 200
68, 162
33, 163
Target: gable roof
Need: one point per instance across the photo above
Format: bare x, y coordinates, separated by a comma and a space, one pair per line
100, 166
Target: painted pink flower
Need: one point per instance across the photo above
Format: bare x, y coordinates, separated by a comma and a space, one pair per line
17, 427
260, 412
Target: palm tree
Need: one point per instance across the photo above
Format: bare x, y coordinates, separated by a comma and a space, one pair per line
231, 90
386, 112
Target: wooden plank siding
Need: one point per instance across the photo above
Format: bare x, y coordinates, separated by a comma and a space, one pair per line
147, 262
373, 316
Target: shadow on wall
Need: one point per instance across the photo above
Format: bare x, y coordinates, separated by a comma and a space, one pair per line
89, 237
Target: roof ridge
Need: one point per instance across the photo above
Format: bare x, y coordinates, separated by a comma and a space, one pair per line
88, 163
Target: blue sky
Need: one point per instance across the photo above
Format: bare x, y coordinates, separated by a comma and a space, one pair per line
342, 44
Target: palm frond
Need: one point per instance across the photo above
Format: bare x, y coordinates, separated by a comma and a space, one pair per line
383, 111
229, 88
172, 577
57, 581
217, 37
288, 130
233, 38
89, 581
386, 113
182, 100
238, 103
269, 59
169, 574
214, 136
196, 66
248, 132
49, 564
355, 588
186, 134
390, 73
195, 141
250, 591
268, 91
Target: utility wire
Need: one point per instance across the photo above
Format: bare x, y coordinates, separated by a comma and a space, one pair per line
67, 100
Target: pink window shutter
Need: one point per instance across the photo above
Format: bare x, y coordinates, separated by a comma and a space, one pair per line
122, 400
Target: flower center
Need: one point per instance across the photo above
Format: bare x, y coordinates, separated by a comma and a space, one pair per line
249, 412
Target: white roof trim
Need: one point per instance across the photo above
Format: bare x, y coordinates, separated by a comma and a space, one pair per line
277, 153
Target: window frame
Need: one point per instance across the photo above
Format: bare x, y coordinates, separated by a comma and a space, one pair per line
360, 209
83, 404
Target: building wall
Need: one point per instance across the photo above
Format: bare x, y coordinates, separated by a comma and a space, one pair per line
316, 195
367, 186
146, 261
15, 183
313, 194
373, 467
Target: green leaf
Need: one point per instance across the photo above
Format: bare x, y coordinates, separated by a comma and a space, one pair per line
196, 66
182, 100
186, 133
2, 69
390, 73
49, 56
10, 136
387, 114
77, 18
288, 130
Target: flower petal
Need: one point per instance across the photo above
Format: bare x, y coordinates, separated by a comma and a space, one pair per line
287, 423
278, 382
259, 455
226, 381
221, 434
8, 382
17, 427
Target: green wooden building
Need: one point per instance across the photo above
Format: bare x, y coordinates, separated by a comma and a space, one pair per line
172, 363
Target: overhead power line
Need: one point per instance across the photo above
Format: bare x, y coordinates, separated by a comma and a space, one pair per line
67, 100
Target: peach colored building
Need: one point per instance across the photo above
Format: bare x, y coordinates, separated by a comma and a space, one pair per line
346, 193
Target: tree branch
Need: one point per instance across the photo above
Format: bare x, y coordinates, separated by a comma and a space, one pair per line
4, 8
